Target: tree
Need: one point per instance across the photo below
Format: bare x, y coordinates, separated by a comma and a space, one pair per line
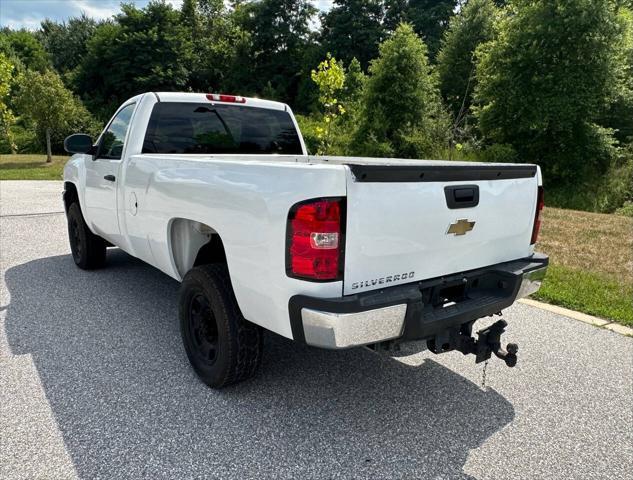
66, 42
44, 100
354, 83
280, 37
429, 18
402, 114
473, 25
619, 114
353, 29
24, 46
330, 78
220, 46
545, 79
143, 50
6, 115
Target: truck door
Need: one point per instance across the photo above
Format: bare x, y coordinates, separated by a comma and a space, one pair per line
101, 177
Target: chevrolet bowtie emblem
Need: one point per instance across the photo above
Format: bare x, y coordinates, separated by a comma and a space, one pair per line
460, 227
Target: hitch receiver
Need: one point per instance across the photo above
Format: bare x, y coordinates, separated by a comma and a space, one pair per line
488, 342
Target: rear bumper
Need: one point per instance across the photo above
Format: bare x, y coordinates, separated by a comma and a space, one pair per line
414, 311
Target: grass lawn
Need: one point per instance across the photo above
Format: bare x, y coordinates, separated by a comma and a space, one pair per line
591, 263
31, 167
591, 254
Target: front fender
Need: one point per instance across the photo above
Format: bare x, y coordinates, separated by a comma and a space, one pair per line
75, 173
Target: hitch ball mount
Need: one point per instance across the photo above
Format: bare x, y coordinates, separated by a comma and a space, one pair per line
488, 342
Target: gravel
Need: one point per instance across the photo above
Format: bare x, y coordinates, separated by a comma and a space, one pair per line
94, 383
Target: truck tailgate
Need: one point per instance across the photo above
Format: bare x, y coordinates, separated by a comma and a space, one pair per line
407, 223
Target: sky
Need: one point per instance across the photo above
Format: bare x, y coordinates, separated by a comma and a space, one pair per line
29, 13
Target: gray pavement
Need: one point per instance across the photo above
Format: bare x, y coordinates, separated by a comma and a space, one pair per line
94, 383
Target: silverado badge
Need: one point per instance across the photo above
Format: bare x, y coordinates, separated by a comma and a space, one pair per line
460, 227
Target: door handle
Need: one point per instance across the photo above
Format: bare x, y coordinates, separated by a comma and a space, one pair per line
462, 196
110, 178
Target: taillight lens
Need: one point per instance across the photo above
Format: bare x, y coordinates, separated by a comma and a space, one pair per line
540, 203
315, 243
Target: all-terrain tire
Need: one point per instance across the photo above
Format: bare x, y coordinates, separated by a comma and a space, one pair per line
222, 346
88, 249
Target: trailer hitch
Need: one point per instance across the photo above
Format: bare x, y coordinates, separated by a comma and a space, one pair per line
488, 342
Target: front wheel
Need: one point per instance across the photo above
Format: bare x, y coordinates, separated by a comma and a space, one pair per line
222, 346
88, 249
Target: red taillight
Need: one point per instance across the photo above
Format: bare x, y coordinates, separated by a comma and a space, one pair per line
220, 97
540, 203
315, 243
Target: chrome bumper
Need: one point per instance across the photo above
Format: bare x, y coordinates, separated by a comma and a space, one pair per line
404, 312
343, 330
531, 282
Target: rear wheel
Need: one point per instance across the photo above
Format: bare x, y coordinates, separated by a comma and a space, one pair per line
222, 346
88, 249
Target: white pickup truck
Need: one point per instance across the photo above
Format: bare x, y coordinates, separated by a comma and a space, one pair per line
219, 192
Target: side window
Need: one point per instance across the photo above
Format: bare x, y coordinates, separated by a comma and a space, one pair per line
111, 145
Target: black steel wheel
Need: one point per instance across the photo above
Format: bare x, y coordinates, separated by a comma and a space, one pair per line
202, 329
222, 346
88, 250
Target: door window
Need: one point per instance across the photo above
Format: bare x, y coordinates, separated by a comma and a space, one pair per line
111, 145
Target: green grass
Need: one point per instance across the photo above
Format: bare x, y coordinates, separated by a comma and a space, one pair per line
591, 263
588, 292
31, 167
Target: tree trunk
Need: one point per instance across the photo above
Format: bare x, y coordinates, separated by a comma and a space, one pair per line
49, 155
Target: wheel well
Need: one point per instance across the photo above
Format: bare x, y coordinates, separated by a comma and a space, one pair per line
211, 252
70, 195
194, 243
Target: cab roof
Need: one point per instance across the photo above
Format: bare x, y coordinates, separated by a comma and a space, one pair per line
202, 98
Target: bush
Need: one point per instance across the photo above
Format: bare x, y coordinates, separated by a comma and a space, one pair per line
401, 111
499, 153
544, 81
610, 193
308, 126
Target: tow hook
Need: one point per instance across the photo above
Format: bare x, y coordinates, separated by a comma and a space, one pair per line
488, 342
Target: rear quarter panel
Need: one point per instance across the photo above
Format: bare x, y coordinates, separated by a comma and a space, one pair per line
246, 203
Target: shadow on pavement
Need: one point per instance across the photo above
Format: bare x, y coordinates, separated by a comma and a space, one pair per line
107, 349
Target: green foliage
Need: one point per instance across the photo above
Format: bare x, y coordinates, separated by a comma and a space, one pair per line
308, 125
26, 48
401, 113
6, 115
280, 39
605, 194
544, 80
66, 42
429, 18
219, 46
330, 78
143, 50
354, 83
353, 29
619, 115
473, 25
53, 110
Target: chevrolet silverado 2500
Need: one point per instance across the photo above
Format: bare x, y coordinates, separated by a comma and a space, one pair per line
219, 192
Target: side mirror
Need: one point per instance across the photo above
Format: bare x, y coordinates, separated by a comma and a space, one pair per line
78, 143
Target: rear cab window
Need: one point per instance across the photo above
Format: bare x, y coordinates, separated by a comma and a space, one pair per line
206, 128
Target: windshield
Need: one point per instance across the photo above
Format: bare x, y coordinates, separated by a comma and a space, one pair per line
210, 129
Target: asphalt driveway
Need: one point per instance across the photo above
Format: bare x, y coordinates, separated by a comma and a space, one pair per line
94, 383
